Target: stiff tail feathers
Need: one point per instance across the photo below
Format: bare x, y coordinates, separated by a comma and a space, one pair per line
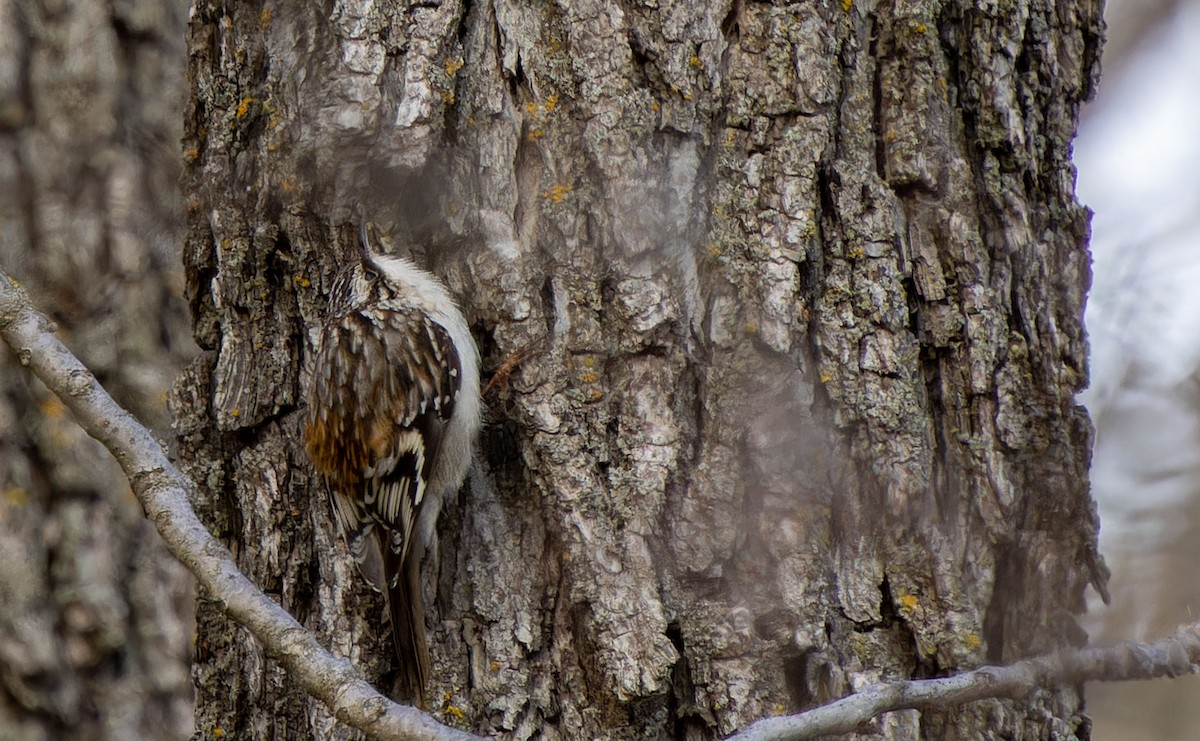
407, 607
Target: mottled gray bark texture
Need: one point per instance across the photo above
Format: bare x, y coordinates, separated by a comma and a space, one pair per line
796, 291
95, 616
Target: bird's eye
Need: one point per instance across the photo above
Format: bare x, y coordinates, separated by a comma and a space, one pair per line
370, 274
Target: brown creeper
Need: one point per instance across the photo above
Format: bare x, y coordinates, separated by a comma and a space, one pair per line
393, 411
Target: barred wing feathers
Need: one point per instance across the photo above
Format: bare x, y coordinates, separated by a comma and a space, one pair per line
385, 383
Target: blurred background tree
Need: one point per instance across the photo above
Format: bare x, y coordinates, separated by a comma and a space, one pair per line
95, 617
1138, 156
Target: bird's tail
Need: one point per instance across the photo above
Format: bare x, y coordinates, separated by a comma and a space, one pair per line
407, 607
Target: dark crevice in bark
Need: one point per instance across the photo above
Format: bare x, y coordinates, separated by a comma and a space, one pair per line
796, 665
463, 26
953, 37
887, 609
646, 74
516, 84
874, 33
683, 708
1007, 582
730, 26
947, 476
550, 306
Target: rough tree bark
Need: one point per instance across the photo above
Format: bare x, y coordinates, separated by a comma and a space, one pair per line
95, 616
796, 292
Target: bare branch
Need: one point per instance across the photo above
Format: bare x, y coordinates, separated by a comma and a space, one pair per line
1167, 657
163, 492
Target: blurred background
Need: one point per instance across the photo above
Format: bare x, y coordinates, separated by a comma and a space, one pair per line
95, 616
1138, 157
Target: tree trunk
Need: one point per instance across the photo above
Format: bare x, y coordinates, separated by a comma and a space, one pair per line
95, 616
795, 296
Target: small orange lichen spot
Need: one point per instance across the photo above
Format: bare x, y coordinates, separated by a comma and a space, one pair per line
551, 102
751, 328
14, 282
448, 97
226, 243
235, 412
288, 185
218, 732
729, 136
294, 512
456, 712
922, 28
890, 136
714, 250
826, 378
695, 61
687, 95
909, 602
589, 378
494, 666
847, 5
654, 106
557, 193
535, 134
453, 65
566, 557
973, 641
589, 361
531, 109
191, 154
53, 408
264, 18
596, 395
244, 107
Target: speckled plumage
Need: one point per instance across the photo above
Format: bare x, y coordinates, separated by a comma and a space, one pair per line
393, 410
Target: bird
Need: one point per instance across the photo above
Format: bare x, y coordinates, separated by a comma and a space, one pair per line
393, 413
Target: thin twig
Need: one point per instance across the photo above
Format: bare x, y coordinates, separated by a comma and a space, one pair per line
1168, 657
500, 376
163, 492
